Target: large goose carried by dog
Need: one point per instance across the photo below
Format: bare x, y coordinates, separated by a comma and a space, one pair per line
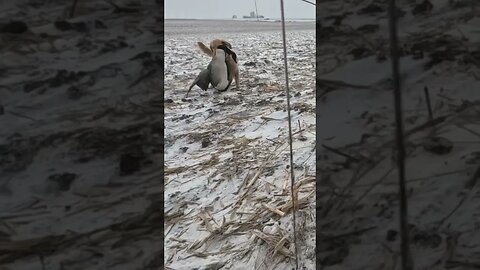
232, 63
221, 70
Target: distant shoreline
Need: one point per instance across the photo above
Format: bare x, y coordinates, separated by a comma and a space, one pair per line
204, 27
243, 20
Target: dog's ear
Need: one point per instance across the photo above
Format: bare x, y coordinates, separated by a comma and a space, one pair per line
234, 56
228, 45
227, 50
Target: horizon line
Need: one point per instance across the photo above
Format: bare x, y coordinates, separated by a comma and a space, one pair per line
239, 18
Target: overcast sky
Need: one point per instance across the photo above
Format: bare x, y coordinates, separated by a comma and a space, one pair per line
225, 9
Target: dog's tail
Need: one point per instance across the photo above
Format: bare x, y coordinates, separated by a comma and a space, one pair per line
204, 48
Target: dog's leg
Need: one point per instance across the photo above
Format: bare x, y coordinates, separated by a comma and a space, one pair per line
237, 79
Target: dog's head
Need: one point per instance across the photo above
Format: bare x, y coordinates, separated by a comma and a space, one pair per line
218, 42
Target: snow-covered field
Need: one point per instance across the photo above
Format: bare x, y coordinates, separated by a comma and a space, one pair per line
80, 145
80, 163
226, 154
357, 199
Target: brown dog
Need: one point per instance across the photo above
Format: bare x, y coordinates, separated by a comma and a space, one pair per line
232, 63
